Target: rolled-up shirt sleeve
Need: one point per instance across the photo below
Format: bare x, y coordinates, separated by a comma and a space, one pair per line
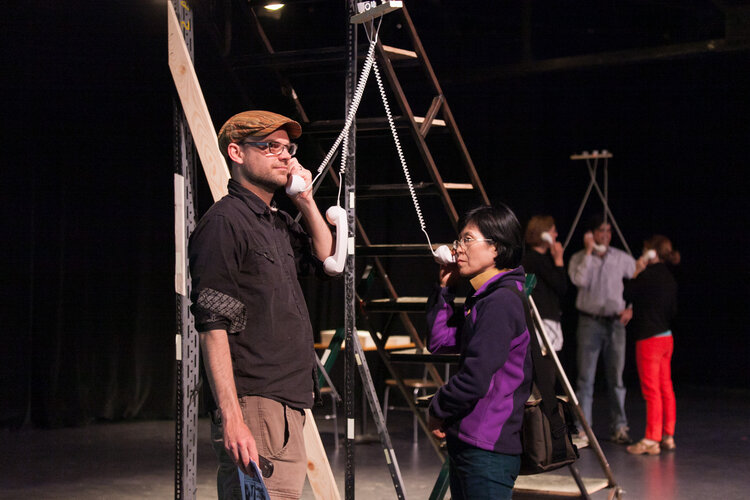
214, 262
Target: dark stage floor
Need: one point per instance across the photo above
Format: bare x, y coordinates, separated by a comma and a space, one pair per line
134, 460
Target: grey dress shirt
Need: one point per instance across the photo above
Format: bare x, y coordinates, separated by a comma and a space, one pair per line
600, 280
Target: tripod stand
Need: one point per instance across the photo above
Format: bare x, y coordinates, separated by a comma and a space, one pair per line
592, 163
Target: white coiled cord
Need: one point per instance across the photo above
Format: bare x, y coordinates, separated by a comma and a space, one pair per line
344, 134
343, 137
401, 158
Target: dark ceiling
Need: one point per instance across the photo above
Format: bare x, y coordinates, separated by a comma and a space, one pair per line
467, 42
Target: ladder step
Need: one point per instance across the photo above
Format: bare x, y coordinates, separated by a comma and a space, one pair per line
376, 124
435, 122
394, 190
363, 125
404, 250
401, 304
322, 56
398, 54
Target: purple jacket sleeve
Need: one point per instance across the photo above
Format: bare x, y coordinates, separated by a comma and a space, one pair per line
443, 323
497, 329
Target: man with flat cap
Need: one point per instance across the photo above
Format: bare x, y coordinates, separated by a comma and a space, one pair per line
255, 333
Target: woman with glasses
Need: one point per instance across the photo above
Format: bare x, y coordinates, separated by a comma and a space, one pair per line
480, 409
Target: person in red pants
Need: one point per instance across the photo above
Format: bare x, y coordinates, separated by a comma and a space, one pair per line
653, 293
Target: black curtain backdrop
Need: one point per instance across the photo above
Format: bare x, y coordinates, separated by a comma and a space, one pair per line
88, 300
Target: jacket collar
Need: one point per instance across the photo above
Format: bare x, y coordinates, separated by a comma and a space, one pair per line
480, 279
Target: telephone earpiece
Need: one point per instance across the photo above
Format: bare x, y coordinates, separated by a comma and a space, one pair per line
443, 255
334, 265
650, 254
547, 237
297, 185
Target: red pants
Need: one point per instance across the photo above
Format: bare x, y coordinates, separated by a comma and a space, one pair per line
653, 356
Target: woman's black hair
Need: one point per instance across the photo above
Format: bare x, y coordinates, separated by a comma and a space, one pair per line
499, 224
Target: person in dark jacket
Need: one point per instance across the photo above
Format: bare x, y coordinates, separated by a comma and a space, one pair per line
544, 259
653, 293
256, 339
480, 409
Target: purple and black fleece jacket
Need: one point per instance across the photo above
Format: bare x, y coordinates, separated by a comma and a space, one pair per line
482, 404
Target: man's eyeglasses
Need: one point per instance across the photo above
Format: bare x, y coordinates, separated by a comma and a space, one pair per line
467, 241
274, 148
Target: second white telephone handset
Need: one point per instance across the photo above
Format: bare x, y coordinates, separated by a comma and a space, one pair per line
334, 265
650, 254
548, 238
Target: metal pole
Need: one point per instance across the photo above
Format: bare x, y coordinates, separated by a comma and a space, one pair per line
349, 278
186, 338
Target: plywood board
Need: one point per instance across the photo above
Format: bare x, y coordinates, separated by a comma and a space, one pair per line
319, 472
556, 484
196, 111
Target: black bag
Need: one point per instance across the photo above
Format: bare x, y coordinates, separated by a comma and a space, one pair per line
547, 422
545, 449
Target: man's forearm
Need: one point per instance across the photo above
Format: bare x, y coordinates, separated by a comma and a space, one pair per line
320, 233
216, 356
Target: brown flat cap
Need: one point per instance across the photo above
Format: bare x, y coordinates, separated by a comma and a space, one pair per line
256, 123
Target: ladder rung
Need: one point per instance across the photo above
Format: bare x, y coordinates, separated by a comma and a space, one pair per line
436, 121
303, 58
401, 304
456, 186
393, 190
403, 250
397, 53
363, 124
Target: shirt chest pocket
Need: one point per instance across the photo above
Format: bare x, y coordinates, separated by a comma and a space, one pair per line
262, 264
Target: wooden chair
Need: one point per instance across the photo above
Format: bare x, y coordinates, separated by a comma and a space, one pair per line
419, 387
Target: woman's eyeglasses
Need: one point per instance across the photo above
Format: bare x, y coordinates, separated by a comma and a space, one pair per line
467, 241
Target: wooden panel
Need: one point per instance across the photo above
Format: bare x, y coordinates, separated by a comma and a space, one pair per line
557, 485
319, 472
196, 111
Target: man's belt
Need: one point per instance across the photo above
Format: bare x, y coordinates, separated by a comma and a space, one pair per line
601, 317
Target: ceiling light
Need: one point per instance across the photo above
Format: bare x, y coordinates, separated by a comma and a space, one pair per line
273, 6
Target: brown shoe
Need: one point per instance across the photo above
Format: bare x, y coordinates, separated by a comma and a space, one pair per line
667, 443
643, 448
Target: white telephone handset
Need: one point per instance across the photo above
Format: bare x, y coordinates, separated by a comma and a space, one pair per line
334, 265
547, 237
443, 255
650, 254
297, 185
598, 247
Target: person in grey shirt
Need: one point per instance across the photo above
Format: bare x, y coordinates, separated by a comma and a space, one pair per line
598, 271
